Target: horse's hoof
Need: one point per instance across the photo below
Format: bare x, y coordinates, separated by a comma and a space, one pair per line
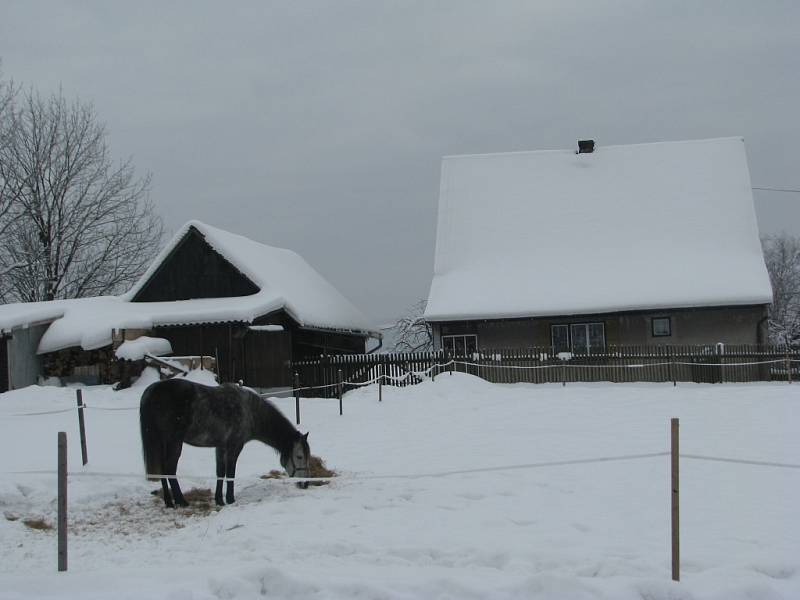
230, 500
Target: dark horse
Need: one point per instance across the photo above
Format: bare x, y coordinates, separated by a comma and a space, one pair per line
175, 411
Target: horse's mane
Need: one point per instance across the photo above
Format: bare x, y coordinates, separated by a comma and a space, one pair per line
271, 425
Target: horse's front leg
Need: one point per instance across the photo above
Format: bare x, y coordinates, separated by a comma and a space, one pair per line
220, 476
231, 456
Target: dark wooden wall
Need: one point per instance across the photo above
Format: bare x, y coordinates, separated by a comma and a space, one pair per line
313, 344
260, 359
194, 270
3, 363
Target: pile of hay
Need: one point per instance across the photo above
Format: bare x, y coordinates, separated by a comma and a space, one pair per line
316, 468
201, 500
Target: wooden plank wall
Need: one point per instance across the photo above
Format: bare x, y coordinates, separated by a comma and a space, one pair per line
618, 364
4, 383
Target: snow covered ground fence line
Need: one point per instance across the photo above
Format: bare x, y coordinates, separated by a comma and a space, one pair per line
668, 364
674, 454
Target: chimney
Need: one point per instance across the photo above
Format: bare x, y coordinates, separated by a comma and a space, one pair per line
585, 146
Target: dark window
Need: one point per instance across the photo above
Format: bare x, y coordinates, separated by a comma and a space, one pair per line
560, 335
460, 345
662, 326
582, 338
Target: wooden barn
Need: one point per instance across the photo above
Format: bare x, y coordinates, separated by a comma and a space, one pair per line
647, 244
252, 307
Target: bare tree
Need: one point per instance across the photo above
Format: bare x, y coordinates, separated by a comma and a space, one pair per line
782, 257
8, 190
413, 333
79, 224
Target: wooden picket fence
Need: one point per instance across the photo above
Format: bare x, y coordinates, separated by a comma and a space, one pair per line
621, 364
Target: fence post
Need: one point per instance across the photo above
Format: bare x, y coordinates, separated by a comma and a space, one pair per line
676, 541
297, 397
563, 374
62, 501
340, 391
82, 427
380, 383
672, 371
788, 369
434, 364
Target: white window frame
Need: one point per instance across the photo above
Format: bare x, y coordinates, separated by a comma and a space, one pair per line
569, 327
464, 344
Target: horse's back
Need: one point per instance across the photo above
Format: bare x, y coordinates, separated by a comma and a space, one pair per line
202, 415
167, 401
169, 391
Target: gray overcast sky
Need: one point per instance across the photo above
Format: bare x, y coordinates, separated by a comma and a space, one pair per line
319, 126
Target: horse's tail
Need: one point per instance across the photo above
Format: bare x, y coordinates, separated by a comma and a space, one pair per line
152, 447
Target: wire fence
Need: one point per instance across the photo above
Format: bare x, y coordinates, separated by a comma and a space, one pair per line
445, 473
448, 366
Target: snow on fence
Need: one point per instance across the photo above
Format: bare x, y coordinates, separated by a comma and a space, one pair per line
619, 364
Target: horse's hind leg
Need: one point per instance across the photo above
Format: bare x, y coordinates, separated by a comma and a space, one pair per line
231, 456
177, 494
167, 495
171, 467
220, 476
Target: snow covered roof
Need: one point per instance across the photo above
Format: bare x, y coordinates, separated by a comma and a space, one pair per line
636, 227
25, 314
284, 279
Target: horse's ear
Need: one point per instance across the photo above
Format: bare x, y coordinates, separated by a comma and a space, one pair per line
305, 436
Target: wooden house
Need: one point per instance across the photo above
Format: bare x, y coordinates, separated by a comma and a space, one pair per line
252, 307
646, 244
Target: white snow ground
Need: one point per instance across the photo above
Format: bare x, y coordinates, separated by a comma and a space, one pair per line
434, 499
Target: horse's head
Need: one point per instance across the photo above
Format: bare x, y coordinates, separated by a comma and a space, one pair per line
296, 461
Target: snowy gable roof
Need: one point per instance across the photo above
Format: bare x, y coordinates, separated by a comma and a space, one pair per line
637, 227
284, 279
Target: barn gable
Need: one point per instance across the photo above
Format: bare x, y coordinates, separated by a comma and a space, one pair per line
193, 269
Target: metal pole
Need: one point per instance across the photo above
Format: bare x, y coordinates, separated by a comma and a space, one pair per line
676, 540
82, 427
297, 397
62, 501
340, 391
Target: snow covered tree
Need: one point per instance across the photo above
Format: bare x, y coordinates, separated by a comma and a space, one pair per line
412, 333
782, 257
75, 223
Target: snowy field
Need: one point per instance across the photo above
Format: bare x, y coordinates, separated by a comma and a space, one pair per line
439, 496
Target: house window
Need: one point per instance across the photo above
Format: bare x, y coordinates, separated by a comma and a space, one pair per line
582, 338
460, 345
560, 334
661, 326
